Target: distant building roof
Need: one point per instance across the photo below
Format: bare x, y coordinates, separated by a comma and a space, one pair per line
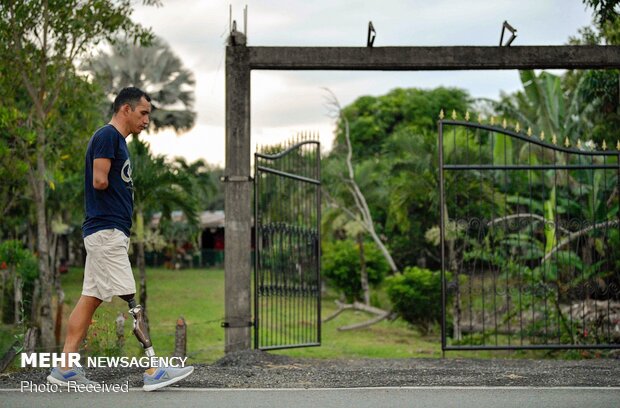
208, 219
212, 219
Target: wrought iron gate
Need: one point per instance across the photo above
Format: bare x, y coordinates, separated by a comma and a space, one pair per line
287, 289
530, 240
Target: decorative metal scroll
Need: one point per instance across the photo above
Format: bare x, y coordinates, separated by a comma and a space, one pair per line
530, 240
287, 199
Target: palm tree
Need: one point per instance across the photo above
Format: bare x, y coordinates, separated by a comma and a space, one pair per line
154, 69
158, 186
545, 106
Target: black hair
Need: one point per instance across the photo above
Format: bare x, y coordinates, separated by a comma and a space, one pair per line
130, 95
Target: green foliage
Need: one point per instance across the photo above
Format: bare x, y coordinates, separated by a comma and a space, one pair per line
158, 184
16, 261
341, 266
374, 119
101, 339
14, 256
416, 295
604, 10
394, 143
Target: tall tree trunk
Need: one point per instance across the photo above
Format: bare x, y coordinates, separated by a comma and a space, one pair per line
140, 261
358, 196
60, 294
47, 280
364, 271
18, 299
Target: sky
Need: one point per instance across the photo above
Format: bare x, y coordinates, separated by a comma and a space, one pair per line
284, 103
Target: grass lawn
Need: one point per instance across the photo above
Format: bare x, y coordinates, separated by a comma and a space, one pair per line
198, 296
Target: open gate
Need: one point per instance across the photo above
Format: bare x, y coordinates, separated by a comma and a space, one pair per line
287, 216
530, 240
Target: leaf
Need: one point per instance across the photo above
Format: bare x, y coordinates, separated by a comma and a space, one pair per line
502, 150
550, 238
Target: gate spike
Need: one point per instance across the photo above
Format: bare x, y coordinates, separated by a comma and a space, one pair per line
618, 145
566, 142
441, 115
492, 120
542, 135
467, 116
453, 114
479, 118
554, 139
579, 144
529, 131
504, 124
518, 128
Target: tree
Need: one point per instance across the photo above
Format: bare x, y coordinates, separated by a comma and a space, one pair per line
39, 40
394, 146
154, 69
158, 186
600, 88
604, 10
206, 184
362, 212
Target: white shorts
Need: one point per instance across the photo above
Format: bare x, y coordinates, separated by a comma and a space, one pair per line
108, 271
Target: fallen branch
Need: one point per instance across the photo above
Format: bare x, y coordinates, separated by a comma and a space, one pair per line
381, 314
8, 357
366, 323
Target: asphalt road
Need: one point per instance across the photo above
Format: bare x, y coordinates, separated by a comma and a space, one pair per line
475, 397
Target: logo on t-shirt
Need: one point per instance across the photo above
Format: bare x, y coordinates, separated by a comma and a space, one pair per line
126, 176
126, 171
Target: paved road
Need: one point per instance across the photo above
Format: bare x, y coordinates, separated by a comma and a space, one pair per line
475, 397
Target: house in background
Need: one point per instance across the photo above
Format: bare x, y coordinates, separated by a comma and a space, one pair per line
212, 239
180, 252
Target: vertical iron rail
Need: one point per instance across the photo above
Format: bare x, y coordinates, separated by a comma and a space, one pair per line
442, 240
317, 240
257, 253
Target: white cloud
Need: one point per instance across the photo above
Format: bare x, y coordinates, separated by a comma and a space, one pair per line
284, 103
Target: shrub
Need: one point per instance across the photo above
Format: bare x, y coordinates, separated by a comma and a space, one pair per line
16, 261
341, 266
416, 296
101, 339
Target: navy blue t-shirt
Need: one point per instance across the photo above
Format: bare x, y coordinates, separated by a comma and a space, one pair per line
112, 207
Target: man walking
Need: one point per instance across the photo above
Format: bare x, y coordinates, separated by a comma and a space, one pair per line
108, 197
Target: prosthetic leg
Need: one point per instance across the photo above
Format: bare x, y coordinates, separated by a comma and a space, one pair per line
154, 377
139, 327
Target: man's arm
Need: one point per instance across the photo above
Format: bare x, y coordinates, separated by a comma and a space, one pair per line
101, 168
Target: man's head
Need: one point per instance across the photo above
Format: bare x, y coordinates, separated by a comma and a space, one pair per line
132, 108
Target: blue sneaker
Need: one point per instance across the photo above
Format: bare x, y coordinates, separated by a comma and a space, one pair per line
76, 374
165, 376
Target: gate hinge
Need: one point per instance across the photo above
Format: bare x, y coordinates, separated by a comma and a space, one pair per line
226, 179
237, 324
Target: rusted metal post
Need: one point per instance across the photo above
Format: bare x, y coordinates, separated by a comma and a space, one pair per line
120, 330
180, 338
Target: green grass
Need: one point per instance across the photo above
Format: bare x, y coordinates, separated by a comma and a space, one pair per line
198, 296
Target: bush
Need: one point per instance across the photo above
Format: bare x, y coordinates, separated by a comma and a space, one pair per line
101, 339
16, 260
341, 266
416, 296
